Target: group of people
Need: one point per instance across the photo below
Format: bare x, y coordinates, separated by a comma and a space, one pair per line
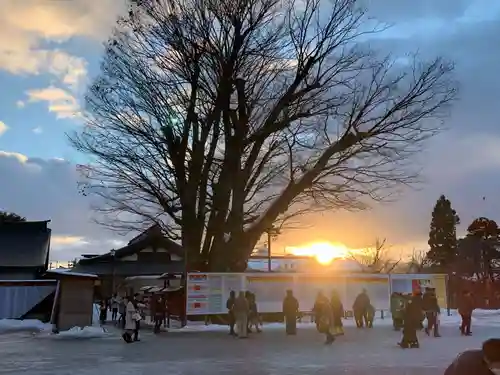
410, 312
328, 313
126, 312
243, 313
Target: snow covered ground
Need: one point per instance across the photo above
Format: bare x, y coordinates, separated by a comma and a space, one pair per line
189, 352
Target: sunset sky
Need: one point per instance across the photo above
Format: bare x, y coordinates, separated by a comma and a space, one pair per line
50, 50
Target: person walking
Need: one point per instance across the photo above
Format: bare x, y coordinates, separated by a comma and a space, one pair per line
230, 312
158, 312
317, 309
241, 311
411, 320
253, 318
129, 327
337, 314
115, 302
132, 320
290, 312
360, 308
122, 307
465, 309
397, 309
432, 310
103, 311
326, 322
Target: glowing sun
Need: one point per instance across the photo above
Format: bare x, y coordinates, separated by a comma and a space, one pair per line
324, 252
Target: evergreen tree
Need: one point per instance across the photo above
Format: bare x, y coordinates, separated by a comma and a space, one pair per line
443, 235
9, 217
480, 249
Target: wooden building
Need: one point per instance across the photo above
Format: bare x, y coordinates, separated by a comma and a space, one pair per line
24, 250
73, 300
24, 258
150, 253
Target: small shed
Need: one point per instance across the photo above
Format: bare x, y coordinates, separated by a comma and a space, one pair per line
74, 299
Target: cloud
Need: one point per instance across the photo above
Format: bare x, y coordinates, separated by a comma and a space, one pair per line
30, 28
462, 162
38, 130
3, 128
59, 101
66, 240
46, 189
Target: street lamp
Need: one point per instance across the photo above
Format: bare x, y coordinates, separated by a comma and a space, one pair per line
113, 254
272, 233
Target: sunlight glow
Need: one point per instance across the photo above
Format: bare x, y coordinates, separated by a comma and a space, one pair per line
324, 252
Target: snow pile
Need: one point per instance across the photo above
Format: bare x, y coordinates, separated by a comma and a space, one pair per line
27, 325
490, 318
82, 333
480, 317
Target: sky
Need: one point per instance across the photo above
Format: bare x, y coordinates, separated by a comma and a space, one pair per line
50, 51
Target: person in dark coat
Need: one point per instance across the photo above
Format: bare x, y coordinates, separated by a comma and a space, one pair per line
317, 309
411, 317
158, 309
326, 322
103, 311
417, 300
230, 312
253, 317
465, 309
397, 309
337, 313
485, 361
290, 311
432, 310
360, 308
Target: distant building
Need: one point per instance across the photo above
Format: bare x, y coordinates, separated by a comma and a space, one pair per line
148, 254
302, 263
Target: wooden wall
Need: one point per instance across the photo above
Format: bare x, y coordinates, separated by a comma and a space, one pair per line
76, 300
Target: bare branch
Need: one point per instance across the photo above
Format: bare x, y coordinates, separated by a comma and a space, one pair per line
217, 119
378, 258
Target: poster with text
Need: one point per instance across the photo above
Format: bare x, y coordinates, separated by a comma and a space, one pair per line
198, 292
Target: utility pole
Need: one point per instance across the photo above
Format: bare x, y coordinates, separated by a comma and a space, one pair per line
113, 271
272, 233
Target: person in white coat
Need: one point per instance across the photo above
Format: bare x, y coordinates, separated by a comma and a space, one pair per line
132, 320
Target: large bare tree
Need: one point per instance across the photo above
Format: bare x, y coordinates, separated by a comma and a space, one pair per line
218, 118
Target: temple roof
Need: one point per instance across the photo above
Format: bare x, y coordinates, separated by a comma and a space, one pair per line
24, 244
149, 238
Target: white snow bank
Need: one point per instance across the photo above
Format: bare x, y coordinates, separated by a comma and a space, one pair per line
27, 325
82, 333
479, 317
490, 318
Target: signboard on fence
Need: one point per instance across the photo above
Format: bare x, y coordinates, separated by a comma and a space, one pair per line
207, 293
410, 283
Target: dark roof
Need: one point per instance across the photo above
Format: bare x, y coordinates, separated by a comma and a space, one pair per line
24, 244
129, 268
150, 237
65, 273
